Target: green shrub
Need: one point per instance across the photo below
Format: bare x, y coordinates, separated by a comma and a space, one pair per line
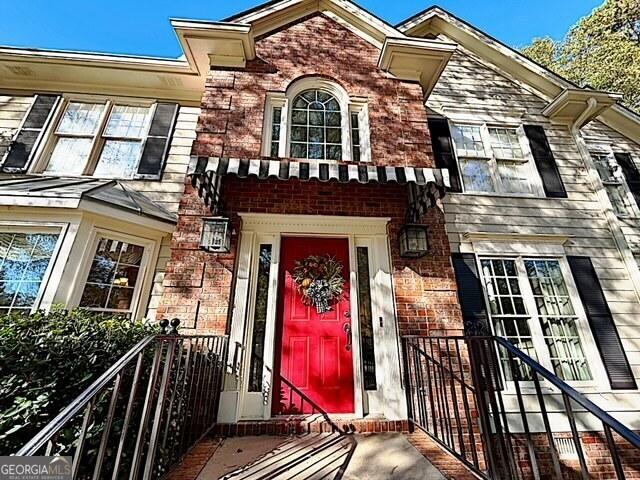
47, 360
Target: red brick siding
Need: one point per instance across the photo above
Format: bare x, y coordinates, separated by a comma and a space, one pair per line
234, 102
198, 282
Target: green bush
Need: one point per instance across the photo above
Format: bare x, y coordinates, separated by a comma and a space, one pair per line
47, 360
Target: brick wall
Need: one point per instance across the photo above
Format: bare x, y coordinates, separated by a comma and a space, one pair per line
200, 284
234, 102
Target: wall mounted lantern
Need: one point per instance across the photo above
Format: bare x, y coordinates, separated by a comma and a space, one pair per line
216, 235
413, 241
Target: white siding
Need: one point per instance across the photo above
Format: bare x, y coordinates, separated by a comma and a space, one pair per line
167, 192
468, 86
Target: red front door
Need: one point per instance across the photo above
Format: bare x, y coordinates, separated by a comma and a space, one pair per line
315, 369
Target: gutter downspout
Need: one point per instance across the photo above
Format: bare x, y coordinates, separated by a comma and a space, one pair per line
603, 198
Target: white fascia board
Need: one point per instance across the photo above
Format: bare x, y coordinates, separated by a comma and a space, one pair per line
570, 105
95, 58
24, 200
358, 20
546, 83
220, 44
119, 214
416, 59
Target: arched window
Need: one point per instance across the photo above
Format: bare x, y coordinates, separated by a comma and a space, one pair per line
316, 119
316, 126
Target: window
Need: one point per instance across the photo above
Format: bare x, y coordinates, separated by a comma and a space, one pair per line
102, 139
24, 261
355, 137
260, 319
275, 131
614, 183
316, 120
316, 126
114, 275
530, 305
366, 319
494, 159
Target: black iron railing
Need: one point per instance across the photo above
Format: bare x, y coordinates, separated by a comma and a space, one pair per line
144, 413
505, 416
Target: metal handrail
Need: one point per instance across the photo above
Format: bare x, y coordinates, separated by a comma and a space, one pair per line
83, 399
159, 423
435, 373
629, 435
440, 364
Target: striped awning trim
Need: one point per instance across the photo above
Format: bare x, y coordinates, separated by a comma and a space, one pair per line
319, 170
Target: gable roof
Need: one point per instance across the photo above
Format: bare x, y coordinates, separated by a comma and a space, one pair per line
547, 83
274, 14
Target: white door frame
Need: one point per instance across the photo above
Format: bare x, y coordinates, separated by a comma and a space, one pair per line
371, 232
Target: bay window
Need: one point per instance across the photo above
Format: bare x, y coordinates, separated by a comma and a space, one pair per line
530, 305
494, 159
25, 259
101, 139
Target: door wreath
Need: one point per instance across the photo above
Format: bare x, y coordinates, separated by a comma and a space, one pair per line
319, 280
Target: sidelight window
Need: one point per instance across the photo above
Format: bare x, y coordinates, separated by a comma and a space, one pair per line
260, 319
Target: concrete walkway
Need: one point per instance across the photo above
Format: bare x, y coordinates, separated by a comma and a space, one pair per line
319, 456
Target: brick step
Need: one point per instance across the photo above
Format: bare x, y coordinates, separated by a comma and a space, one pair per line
449, 466
309, 424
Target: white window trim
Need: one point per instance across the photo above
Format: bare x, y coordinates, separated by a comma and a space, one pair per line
534, 176
43, 155
622, 181
145, 272
58, 228
599, 381
347, 106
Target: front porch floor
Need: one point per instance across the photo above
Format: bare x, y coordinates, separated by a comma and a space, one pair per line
318, 456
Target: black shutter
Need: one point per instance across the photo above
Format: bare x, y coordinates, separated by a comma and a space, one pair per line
26, 141
545, 162
443, 151
631, 174
156, 146
604, 330
474, 309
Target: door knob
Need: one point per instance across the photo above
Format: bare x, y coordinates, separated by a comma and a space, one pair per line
347, 314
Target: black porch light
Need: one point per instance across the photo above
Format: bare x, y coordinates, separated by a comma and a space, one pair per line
216, 235
413, 241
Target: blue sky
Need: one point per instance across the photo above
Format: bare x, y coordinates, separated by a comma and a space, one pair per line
141, 27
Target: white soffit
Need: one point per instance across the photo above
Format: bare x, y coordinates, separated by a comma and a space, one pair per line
217, 44
82, 72
570, 105
416, 59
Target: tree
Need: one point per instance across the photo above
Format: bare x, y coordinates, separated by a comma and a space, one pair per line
601, 51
